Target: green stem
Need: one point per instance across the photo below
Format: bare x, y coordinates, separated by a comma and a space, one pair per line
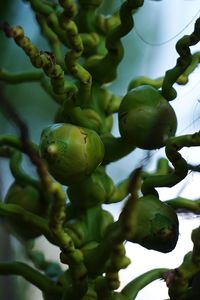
117, 232
18, 172
185, 204
16, 212
39, 59
51, 17
105, 24
15, 143
184, 78
76, 46
90, 42
69, 254
86, 17
121, 191
173, 145
162, 167
179, 278
143, 80
157, 83
52, 38
16, 78
41, 7
194, 168
136, 285
31, 275
115, 148
183, 62
6, 151
77, 116
113, 105
69, 87
114, 47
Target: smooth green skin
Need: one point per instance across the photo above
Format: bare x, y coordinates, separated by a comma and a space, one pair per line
157, 225
78, 152
146, 119
94, 190
28, 198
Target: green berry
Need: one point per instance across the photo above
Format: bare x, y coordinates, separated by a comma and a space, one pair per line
146, 119
71, 152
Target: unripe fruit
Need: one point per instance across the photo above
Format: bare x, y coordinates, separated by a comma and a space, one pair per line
146, 119
157, 225
71, 152
28, 198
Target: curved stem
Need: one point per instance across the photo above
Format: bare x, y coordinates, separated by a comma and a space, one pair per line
86, 17
179, 278
16, 212
51, 17
136, 285
157, 83
143, 80
114, 46
15, 142
39, 59
115, 148
185, 59
6, 151
18, 172
52, 38
194, 168
185, 204
16, 78
173, 145
184, 77
117, 232
113, 105
76, 46
105, 24
31, 275
41, 7
69, 254
121, 191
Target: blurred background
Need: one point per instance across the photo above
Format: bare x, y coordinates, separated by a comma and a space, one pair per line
150, 51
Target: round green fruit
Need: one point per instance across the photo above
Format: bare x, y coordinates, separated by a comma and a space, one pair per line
28, 198
157, 225
146, 119
71, 152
